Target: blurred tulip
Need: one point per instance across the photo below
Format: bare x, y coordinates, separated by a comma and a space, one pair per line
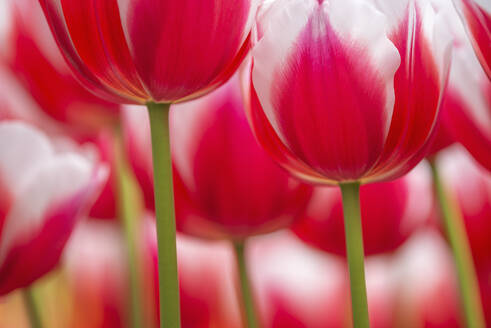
391, 212
142, 51
225, 184
206, 271
477, 17
338, 100
31, 55
428, 294
468, 96
43, 194
96, 269
471, 186
297, 287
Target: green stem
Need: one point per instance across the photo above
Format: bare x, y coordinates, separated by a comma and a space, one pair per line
31, 308
250, 317
355, 253
456, 233
164, 211
128, 213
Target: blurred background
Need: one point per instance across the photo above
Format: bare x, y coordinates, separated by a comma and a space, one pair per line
227, 189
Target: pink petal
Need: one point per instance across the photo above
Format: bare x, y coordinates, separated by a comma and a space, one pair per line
228, 180
30, 258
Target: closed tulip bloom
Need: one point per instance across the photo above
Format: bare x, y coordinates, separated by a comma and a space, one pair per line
468, 96
161, 51
476, 14
226, 185
30, 54
336, 99
391, 212
43, 194
471, 187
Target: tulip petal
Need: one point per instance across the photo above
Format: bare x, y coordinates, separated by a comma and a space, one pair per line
20, 147
419, 85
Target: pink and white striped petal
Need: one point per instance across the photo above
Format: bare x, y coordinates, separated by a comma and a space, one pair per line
477, 16
319, 78
49, 194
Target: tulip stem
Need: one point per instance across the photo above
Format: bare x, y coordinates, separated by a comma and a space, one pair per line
355, 253
247, 299
31, 308
456, 233
129, 215
164, 211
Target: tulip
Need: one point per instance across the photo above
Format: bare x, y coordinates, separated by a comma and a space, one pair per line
30, 54
476, 14
291, 280
391, 212
142, 51
296, 286
43, 196
339, 101
154, 53
386, 125
226, 185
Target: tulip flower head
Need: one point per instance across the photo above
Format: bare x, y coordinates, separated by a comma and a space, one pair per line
151, 51
339, 100
42, 196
